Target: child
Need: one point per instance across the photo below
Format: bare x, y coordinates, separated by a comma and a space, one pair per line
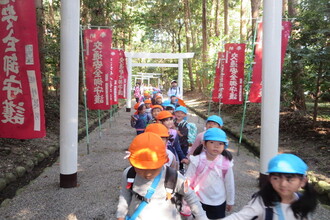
211, 175
158, 100
170, 108
166, 118
213, 121
174, 101
146, 198
162, 131
279, 197
140, 120
146, 96
181, 125
147, 102
155, 109
137, 92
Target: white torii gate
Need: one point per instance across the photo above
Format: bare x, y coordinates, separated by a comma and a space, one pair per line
147, 76
132, 55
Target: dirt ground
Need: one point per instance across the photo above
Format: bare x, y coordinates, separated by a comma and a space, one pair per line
296, 134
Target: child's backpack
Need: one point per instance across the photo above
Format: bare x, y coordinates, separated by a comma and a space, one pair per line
171, 177
192, 131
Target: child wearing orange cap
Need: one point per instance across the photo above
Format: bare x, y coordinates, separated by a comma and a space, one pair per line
162, 131
147, 198
166, 118
155, 109
147, 102
140, 120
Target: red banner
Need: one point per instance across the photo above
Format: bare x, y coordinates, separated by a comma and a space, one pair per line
256, 86
218, 79
114, 72
123, 76
233, 78
22, 105
97, 56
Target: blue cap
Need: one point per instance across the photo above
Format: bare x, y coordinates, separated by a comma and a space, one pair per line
215, 134
182, 109
170, 105
287, 163
166, 102
215, 119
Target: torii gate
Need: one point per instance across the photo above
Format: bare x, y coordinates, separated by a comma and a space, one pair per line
131, 55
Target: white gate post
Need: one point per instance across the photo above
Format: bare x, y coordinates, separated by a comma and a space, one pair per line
180, 77
70, 14
129, 82
271, 83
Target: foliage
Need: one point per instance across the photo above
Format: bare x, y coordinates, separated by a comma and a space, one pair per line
158, 26
311, 32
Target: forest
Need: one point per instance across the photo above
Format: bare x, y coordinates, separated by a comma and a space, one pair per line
203, 27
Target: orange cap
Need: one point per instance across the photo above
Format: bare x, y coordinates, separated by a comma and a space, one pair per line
136, 106
158, 128
146, 94
148, 151
157, 106
164, 114
158, 97
147, 101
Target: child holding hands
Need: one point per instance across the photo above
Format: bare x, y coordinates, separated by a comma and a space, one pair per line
147, 198
211, 176
279, 198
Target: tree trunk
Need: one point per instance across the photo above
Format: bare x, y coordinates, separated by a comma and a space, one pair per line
216, 20
188, 35
226, 26
317, 95
284, 6
255, 7
292, 9
205, 40
298, 99
41, 31
243, 22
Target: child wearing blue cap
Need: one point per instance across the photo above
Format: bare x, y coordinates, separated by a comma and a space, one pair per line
182, 128
212, 121
279, 198
210, 174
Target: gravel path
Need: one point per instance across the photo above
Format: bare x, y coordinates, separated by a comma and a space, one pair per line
99, 176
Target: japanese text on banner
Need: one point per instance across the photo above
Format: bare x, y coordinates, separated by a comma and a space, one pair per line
22, 113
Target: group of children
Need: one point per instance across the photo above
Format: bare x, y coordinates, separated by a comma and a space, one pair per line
206, 189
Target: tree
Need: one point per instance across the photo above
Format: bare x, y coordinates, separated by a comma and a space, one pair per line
255, 11
226, 17
298, 97
188, 39
310, 49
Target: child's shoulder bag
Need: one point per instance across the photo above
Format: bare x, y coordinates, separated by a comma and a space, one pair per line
171, 177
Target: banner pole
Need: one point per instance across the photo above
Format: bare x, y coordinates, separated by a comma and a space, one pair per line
247, 86
84, 89
100, 125
210, 98
114, 112
219, 112
110, 110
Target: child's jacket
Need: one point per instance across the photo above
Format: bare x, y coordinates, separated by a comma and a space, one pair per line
218, 186
141, 121
158, 208
182, 127
256, 207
